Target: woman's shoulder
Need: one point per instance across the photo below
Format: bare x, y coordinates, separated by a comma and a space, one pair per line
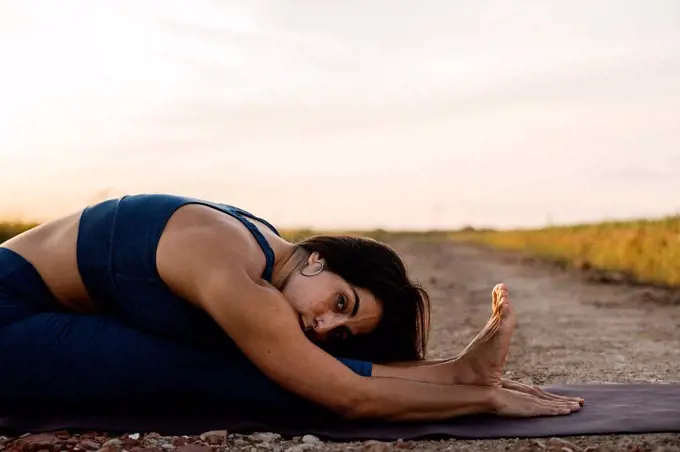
199, 241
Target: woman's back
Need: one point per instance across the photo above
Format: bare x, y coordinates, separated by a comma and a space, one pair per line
129, 230
51, 248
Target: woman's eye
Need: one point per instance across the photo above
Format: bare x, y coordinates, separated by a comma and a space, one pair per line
342, 302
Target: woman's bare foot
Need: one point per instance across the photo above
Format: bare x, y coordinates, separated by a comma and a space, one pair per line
481, 363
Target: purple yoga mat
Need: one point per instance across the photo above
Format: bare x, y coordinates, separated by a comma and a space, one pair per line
609, 409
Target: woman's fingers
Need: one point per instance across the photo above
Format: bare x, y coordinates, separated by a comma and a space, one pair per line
515, 403
538, 392
546, 395
561, 407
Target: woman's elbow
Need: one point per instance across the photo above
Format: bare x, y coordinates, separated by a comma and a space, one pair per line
354, 412
356, 406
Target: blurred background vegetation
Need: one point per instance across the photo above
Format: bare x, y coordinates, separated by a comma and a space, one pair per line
646, 251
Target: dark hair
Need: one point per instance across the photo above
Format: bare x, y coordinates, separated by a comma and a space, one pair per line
402, 332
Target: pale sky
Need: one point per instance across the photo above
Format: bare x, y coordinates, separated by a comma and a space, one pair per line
372, 113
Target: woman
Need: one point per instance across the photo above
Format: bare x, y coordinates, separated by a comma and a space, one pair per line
129, 300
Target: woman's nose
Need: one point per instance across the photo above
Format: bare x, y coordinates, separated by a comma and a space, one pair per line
327, 322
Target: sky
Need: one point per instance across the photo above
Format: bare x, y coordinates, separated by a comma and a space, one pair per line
357, 114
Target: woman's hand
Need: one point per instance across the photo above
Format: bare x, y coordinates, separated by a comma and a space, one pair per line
538, 392
511, 403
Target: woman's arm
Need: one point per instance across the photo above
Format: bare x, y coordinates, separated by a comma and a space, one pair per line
217, 265
214, 267
264, 326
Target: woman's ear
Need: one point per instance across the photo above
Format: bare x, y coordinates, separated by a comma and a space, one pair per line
313, 258
313, 266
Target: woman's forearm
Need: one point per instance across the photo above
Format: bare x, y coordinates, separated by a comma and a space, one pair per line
397, 399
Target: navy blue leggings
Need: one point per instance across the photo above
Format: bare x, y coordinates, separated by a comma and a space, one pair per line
139, 351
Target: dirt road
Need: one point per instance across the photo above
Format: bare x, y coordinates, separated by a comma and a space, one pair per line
569, 330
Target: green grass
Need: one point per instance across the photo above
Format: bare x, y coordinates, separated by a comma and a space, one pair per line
647, 250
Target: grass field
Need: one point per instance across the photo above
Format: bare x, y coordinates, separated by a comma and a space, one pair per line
9, 230
646, 250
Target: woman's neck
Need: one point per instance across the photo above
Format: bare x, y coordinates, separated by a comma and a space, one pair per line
287, 261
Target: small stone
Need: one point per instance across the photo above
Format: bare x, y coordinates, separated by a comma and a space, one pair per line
377, 446
129, 443
28, 442
310, 439
134, 436
265, 437
88, 444
401, 444
109, 449
194, 448
178, 441
214, 437
539, 443
152, 435
113, 442
563, 444
167, 446
301, 447
240, 442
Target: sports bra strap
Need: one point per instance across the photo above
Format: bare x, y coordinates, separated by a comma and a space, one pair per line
252, 217
243, 216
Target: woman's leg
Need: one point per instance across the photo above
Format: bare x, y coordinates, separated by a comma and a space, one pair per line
60, 362
480, 363
66, 360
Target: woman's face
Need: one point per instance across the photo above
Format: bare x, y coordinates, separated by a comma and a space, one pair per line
329, 307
